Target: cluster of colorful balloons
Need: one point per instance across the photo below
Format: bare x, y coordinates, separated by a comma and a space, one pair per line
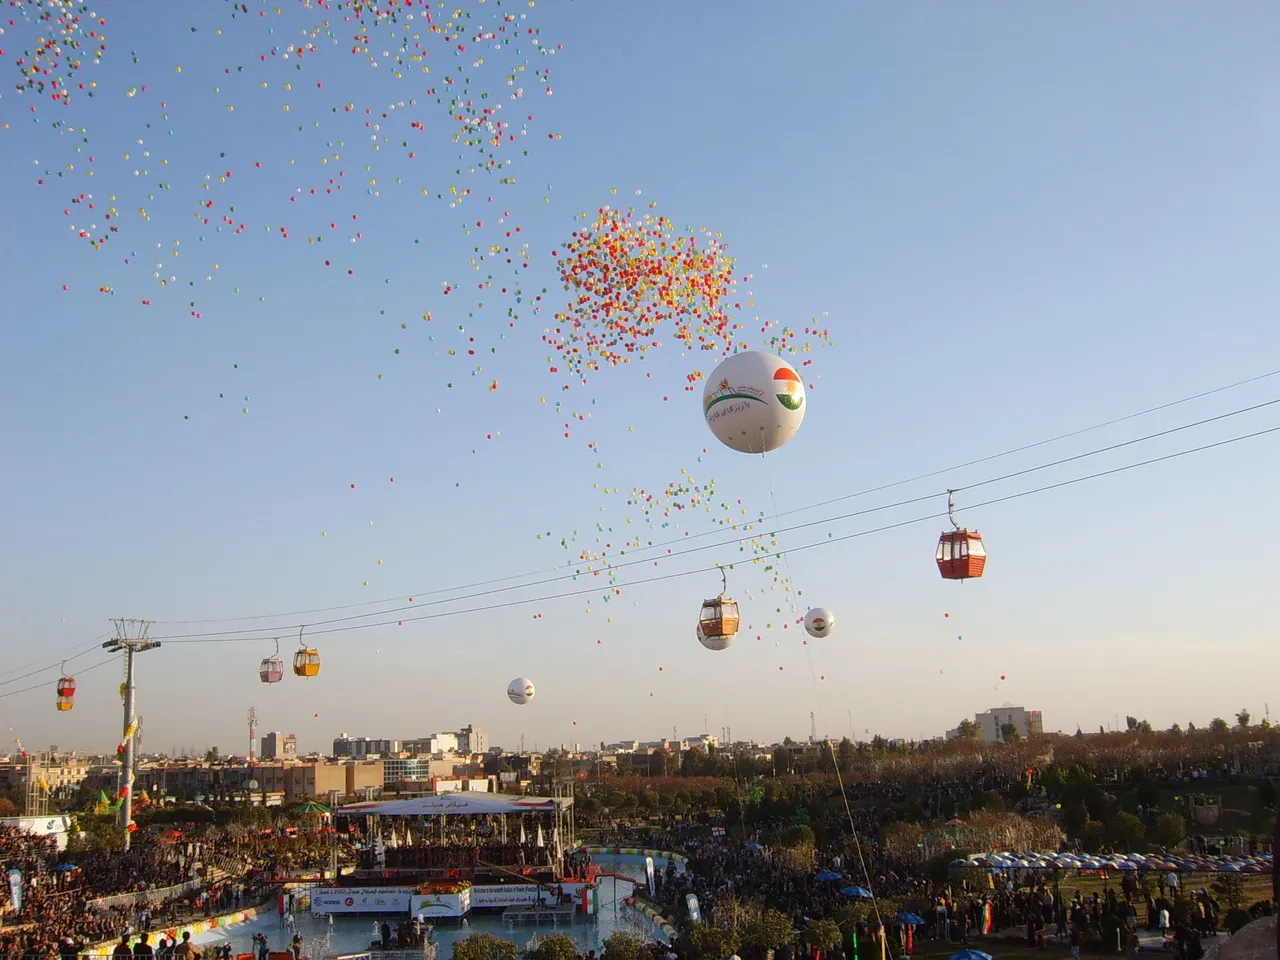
628, 275
67, 33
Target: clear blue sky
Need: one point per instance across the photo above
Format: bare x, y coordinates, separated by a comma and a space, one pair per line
1018, 221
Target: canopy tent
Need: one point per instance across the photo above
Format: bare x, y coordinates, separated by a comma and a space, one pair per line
459, 804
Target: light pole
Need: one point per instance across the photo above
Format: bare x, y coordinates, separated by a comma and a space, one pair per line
131, 637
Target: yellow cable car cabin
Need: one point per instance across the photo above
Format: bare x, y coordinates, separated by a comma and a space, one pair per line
306, 662
271, 670
66, 693
719, 618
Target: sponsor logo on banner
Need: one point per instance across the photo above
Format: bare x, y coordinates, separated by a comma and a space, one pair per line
15, 889
361, 899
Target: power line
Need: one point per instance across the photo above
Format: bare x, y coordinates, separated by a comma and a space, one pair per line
758, 525
226, 638
813, 506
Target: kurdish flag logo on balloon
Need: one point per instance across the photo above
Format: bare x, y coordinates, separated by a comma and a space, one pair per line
787, 381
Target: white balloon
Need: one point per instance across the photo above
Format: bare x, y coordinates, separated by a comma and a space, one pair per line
819, 622
520, 691
754, 402
715, 643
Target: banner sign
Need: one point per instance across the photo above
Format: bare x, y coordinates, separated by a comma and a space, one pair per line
361, 899
15, 889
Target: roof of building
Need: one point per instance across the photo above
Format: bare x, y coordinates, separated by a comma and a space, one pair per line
458, 804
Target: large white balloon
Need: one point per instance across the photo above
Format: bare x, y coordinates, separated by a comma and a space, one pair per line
520, 690
754, 402
819, 622
715, 643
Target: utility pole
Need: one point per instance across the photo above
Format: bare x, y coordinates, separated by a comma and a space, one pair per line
131, 637
252, 716
813, 728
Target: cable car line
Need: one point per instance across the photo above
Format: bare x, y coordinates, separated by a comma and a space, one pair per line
755, 524
93, 644
45, 685
1038, 443
812, 506
5, 683
225, 638
703, 570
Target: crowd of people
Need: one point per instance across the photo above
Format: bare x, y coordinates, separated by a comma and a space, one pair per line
957, 906
64, 903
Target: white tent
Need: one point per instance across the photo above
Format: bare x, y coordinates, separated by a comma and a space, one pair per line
458, 804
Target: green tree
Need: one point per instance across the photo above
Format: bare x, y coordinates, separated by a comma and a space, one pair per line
846, 753
1148, 792
1075, 815
1170, 829
1092, 836
706, 942
621, 945
969, 729
1267, 794
625, 766
1243, 718
771, 930
1009, 733
1176, 729
649, 801
1125, 832
823, 934
95, 833
991, 800
1230, 890
555, 946
1218, 726
484, 946
798, 836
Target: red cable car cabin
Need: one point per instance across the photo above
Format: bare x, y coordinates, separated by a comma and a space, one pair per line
961, 554
66, 693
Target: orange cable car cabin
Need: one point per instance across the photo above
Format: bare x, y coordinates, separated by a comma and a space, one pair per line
719, 617
306, 662
961, 554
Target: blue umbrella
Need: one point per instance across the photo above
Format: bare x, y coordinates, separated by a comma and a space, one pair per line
66, 866
826, 875
910, 919
861, 892
753, 847
970, 955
